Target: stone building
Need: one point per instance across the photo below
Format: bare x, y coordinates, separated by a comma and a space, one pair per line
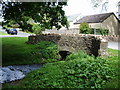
106, 21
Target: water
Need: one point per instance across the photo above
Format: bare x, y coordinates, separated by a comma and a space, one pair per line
16, 72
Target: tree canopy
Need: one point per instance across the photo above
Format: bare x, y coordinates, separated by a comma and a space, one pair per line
47, 14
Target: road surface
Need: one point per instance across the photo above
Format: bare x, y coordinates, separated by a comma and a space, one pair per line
19, 34
114, 45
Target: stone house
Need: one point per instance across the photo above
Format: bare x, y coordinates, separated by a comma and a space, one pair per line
106, 21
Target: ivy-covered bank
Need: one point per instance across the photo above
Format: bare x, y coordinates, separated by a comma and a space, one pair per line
79, 70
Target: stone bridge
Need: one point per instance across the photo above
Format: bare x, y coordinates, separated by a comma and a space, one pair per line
73, 43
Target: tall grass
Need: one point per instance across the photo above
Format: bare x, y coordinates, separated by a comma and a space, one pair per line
16, 51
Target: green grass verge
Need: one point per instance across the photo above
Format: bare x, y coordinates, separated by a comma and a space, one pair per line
3, 33
114, 62
16, 51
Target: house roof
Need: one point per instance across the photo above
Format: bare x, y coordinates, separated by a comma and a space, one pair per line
95, 18
71, 18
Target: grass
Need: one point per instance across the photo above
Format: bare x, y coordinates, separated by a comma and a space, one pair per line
64, 72
16, 51
114, 63
3, 33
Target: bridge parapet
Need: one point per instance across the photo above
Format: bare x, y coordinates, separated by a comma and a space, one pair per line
92, 45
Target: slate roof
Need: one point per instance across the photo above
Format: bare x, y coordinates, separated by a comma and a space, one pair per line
98, 18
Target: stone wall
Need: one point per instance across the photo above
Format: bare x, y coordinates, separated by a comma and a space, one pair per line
111, 38
73, 43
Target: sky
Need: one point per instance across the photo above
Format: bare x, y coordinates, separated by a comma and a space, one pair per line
85, 7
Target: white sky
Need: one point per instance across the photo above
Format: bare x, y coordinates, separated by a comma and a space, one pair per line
85, 7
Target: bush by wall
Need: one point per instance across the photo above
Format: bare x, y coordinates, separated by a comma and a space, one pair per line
37, 29
47, 51
102, 31
85, 28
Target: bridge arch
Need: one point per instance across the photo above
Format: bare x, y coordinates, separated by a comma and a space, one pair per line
64, 54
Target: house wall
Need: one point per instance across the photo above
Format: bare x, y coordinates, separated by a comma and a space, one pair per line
112, 24
95, 25
92, 25
77, 25
71, 25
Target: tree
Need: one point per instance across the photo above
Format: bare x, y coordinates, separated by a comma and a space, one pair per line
48, 14
103, 4
96, 3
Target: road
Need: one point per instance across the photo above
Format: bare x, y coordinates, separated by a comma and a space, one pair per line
114, 45
20, 34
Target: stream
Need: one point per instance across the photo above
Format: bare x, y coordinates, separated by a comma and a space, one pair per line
16, 72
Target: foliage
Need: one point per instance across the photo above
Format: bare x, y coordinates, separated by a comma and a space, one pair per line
47, 50
103, 31
47, 14
113, 59
96, 3
78, 71
85, 29
37, 29
11, 24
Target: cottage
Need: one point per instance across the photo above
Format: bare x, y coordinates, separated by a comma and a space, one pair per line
106, 20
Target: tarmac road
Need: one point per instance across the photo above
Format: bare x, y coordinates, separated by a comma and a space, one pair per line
19, 34
114, 45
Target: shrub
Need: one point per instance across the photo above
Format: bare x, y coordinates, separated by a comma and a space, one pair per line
85, 29
48, 51
103, 31
37, 29
78, 71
